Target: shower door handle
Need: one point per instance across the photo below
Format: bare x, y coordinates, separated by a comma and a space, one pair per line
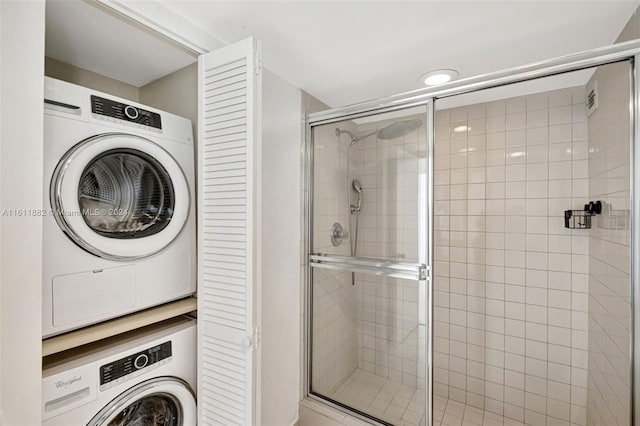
380, 267
424, 272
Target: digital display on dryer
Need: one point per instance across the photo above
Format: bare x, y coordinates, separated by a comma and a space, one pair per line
135, 362
109, 108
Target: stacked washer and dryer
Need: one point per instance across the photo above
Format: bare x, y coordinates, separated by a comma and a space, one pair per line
119, 237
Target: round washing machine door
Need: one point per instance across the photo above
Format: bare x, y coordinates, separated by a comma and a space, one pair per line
120, 196
162, 401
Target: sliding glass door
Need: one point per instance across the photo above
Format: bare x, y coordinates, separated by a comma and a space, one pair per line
368, 293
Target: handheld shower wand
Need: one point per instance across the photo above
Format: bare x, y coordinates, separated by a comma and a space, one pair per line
358, 188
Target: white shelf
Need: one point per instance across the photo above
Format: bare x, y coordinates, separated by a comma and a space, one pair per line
116, 326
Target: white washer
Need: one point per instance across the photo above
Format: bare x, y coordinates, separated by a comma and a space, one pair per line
119, 218
145, 377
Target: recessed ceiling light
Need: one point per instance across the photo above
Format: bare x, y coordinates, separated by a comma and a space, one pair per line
461, 129
436, 77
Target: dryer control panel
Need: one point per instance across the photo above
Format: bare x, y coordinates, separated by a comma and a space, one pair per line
118, 110
116, 372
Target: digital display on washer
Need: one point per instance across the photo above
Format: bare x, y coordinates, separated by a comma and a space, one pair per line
132, 363
109, 108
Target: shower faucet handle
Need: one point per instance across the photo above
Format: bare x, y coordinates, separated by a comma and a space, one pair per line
338, 234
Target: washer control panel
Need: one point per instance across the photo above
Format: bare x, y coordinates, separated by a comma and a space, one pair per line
131, 366
106, 108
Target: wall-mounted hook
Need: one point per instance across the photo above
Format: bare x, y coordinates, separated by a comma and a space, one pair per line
594, 207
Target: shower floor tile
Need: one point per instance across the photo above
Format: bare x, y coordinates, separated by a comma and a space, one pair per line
385, 399
452, 413
403, 405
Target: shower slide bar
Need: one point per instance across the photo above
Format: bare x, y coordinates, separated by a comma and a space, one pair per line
384, 268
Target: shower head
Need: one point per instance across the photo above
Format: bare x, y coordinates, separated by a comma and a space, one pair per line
399, 129
353, 137
394, 130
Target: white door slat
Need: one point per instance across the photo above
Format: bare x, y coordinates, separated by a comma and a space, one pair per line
219, 164
229, 251
215, 292
222, 381
233, 111
232, 291
225, 79
216, 154
213, 207
223, 319
232, 198
213, 418
227, 138
212, 271
232, 392
223, 231
213, 187
213, 70
223, 241
227, 311
227, 92
224, 124
227, 71
237, 102
216, 132
229, 266
231, 405
226, 161
225, 128
224, 280
223, 148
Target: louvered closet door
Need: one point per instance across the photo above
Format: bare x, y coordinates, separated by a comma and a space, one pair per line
228, 230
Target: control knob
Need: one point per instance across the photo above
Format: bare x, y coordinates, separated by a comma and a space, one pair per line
141, 361
131, 112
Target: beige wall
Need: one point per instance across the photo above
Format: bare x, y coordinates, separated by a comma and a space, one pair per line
176, 93
280, 286
72, 74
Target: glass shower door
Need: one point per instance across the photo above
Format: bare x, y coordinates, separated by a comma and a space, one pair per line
367, 286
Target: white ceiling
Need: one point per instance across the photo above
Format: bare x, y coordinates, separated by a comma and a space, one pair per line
83, 35
345, 52
348, 52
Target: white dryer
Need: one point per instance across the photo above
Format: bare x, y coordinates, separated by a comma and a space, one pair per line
142, 378
119, 223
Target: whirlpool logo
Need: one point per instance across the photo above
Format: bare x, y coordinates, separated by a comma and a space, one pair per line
66, 383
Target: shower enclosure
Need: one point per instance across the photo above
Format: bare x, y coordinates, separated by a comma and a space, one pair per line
471, 249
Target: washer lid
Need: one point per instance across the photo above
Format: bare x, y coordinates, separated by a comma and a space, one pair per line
166, 401
120, 196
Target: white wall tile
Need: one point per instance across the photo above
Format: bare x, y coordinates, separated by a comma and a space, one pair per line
517, 320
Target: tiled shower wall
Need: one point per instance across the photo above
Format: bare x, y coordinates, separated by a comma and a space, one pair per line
609, 387
510, 281
334, 352
390, 331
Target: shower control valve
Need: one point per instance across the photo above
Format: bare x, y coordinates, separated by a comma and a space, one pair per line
338, 234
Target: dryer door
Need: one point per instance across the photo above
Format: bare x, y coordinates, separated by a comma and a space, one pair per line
165, 401
120, 196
